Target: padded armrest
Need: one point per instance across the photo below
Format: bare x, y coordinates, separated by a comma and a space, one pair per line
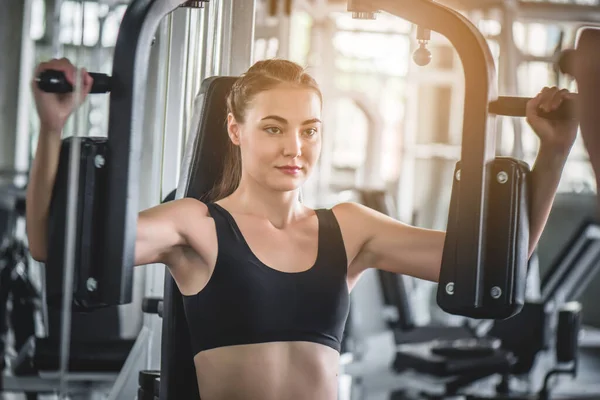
419, 357
201, 168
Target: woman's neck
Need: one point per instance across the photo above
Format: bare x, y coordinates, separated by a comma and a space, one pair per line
281, 208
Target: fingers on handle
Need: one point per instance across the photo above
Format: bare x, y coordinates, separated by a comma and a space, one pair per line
547, 97
38, 69
68, 68
87, 81
63, 65
531, 111
534, 104
558, 98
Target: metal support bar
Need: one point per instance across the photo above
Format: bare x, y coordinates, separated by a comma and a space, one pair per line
575, 268
478, 133
530, 58
369, 176
136, 356
79, 383
237, 41
509, 63
11, 31
130, 71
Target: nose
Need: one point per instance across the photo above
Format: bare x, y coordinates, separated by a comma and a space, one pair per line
292, 146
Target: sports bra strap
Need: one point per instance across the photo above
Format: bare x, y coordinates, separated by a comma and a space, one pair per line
331, 240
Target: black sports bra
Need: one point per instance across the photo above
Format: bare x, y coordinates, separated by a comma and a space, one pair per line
246, 301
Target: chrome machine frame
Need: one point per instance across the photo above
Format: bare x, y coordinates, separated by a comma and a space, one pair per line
478, 132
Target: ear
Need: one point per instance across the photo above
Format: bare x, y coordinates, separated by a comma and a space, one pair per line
233, 129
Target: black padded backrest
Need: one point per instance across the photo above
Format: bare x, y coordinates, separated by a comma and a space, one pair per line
202, 168
203, 161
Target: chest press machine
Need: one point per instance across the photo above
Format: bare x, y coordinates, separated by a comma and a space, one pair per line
484, 262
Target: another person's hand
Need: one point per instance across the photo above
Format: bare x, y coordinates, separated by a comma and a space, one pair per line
54, 109
558, 135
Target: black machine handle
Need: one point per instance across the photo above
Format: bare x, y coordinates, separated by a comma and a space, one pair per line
516, 107
53, 81
153, 305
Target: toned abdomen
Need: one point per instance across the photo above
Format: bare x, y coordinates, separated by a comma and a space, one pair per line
268, 371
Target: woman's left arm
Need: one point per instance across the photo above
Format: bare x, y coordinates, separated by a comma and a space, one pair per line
556, 139
390, 245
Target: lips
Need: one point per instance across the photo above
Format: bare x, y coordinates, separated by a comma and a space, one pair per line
290, 169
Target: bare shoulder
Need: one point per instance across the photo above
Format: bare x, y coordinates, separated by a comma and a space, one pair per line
359, 219
348, 206
360, 224
193, 217
351, 213
191, 264
192, 205
355, 221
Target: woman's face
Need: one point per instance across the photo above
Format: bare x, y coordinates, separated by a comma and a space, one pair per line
280, 138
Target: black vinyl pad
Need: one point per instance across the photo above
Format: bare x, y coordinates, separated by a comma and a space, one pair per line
201, 170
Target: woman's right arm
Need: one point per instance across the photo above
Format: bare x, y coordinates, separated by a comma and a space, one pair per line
39, 192
161, 230
53, 112
169, 227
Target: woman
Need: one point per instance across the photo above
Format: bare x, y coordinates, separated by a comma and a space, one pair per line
266, 279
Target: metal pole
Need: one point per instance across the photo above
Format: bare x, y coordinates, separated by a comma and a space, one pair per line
22, 149
11, 37
509, 63
210, 30
175, 91
71, 232
151, 193
238, 25
283, 33
370, 174
125, 130
130, 367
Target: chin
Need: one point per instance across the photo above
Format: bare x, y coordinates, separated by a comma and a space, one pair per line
285, 188
286, 185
